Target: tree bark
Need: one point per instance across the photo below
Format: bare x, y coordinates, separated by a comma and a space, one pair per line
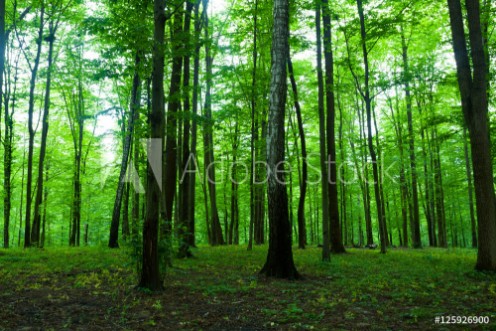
150, 274
416, 236
470, 189
35, 233
32, 85
194, 126
335, 227
279, 262
174, 105
473, 90
217, 238
184, 221
326, 245
302, 232
368, 107
126, 150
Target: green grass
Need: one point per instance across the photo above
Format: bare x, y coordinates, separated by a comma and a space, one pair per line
220, 289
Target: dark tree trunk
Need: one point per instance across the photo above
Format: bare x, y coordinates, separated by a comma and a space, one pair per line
44, 219
473, 89
403, 184
125, 212
217, 238
279, 262
7, 139
254, 129
470, 189
439, 193
335, 227
234, 225
416, 237
174, 105
35, 233
32, 85
194, 127
368, 106
126, 150
150, 273
326, 244
185, 175
302, 232
344, 219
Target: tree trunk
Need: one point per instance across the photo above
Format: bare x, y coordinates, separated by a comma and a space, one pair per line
184, 186
403, 184
7, 145
126, 150
44, 220
150, 273
254, 129
326, 244
335, 228
473, 226
194, 127
279, 262
416, 237
174, 105
368, 107
439, 193
302, 232
35, 233
32, 85
473, 90
217, 238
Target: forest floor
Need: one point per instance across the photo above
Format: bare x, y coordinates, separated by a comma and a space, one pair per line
94, 289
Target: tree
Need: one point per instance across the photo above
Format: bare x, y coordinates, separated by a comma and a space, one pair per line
335, 228
367, 97
32, 85
279, 262
217, 238
150, 272
35, 234
416, 237
184, 186
302, 233
326, 249
472, 82
134, 105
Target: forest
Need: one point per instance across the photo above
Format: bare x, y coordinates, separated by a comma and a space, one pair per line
247, 165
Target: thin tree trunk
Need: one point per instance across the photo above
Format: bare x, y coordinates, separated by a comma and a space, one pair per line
217, 238
416, 237
335, 228
302, 233
174, 105
403, 185
7, 145
439, 194
185, 175
35, 233
126, 150
326, 244
254, 130
194, 126
45, 198
368, 106
473, 226
32, 85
